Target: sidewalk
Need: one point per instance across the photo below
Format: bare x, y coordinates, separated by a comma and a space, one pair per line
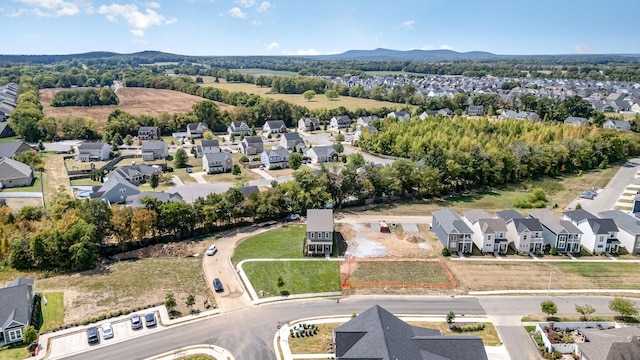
215, 351
555, 291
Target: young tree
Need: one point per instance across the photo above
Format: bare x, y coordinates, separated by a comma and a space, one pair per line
180, 159
451, 316
625, 307
549, 307
585, 310
191, 300
170, 301
331, 95
338, 147
309, 95
232, 138
295, 160
154, 181
29, 335
235, 170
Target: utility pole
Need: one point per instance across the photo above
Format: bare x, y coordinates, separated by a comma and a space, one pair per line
549, 286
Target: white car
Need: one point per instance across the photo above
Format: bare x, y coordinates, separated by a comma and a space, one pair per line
211, 250
107, 331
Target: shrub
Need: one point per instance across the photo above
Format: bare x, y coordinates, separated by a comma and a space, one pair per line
446, 252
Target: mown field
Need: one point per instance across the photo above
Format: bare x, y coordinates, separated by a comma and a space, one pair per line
320, 101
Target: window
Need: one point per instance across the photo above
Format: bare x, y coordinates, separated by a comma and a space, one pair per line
15, 334
561, 243
123, 190
524, 237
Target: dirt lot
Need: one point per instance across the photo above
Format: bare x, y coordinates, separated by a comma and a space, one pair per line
363, 241
135, 101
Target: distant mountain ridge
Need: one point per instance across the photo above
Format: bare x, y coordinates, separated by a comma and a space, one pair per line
388, 54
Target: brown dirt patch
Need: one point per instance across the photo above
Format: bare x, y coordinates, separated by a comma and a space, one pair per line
170, 250
135, 101
399, 244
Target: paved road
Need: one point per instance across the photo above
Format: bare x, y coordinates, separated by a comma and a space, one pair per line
248, 333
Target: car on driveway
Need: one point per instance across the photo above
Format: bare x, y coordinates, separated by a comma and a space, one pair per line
292, 217
150, 319
92, 335
588, 194
189, 170
212, 250
217, 285
107, 331
136, 322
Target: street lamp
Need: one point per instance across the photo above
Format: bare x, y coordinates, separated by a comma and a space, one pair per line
549, 286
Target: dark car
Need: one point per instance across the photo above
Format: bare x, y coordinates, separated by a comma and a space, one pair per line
150, 319
92, 335
217, 285
136, 322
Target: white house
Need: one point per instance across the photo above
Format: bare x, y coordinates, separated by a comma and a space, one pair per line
340, 122
291, 141
308, 124
320, 154
400, 115
525, 235
598, 235
238, 128
207, 147
629, 229
274, 127
94, 151
276, 158
489, 234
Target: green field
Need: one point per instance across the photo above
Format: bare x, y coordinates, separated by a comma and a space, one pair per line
299, 277
320, 101
282, 243
399, 271
53, 312
258, 72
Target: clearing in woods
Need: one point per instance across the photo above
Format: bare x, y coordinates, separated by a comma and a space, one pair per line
135, 101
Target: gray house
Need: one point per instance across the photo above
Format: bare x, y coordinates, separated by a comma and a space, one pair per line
525, 235
15, 313
378, 334
340, 122
277, 158
617, 125
115, 190
238, 128
475, 110
452, 231
598, 235
195, 130
320, 234
251, 145
321, 154
576, 121
137, 174
11, 148
99, 151
217, 162
291, 141
400, 115
274, 127
558, 233
629, 229
154, 150
308, 124
14, 173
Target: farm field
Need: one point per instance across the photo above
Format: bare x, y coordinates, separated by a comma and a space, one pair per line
320, 101
136, 101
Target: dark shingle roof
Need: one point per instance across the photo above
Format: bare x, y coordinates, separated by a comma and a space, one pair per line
207, 143
16, 302
252, 139
11, 148
510, 214
628, 223
602, 226
11, 169
579, 215
612, 344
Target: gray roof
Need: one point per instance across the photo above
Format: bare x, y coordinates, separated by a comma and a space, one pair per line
154, 145
378, 334
319, 220
20, 281
16, 303
342, 118
129, 171
553, 222
451, 222
323, 151
292, 136
206, 143
220, 156
510, 214
197, 126
11, 148
147, 128
576, 120
626, 222
578, 215
492, 226
527, 224
252, 139
11, 169
602, 226
275, 124
248, 190
134, 201
5, 125
475, 215
622, 343
282, 152
91, 146
113, 180
310, 120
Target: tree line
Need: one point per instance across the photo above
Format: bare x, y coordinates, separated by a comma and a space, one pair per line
85, 97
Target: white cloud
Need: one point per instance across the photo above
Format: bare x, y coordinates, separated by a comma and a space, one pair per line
444, 47
426, 47
303, 52
265, 6
274, 45
139, 21
246, 3
581, 49
152, 5
47, 8
408, 24
237, 13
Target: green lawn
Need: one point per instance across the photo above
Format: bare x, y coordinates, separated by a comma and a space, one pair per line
282, 243
53, 312
9, 139
36, 185
85, 182
613, 270
16, 353
399, 271
299, 277
257, 72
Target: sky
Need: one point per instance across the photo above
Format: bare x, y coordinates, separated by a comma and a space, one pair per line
318, 27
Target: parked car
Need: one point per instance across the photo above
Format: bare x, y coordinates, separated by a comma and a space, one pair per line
292, 217
150, 319
92, 335
107, 331
588, 194
136, 322
217, 285
189, 170
211, 250
261, 166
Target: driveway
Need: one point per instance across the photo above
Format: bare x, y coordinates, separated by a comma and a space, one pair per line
199, 177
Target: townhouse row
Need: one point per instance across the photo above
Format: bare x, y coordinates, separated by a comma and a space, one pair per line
539, 231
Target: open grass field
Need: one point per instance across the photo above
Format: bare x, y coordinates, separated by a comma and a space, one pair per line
124, 284
136, 101
55, 177
424, 272
230, 178
480, 275
282, 243
320, 101
299, 277
53, 312
560, 191
258, 72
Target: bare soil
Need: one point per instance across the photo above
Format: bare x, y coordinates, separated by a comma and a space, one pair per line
135, 101
362, 239
170, 250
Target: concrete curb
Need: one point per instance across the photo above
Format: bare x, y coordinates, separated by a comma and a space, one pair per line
215, 351
559, 291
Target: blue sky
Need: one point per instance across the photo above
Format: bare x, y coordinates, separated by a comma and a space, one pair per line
305, 27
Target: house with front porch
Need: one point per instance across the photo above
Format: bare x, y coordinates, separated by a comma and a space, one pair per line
238, 128
196, 130
16, 306
629, 229
251, 145
207, 147
274, 127
308, 124
291, 141
599, 235
556, 232
320, 234
339, 122
321, 154
524, 235
217, 162
454, 234
276, 158
489, 233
